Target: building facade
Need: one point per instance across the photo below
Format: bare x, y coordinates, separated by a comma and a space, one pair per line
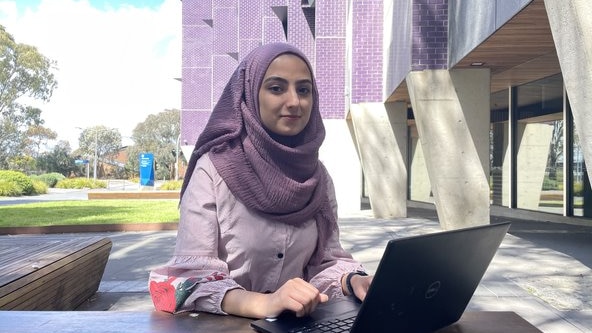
463, 104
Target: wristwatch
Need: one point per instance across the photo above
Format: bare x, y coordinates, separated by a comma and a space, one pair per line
350, 289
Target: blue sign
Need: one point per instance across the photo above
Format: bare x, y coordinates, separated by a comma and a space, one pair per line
80, 161
147, 169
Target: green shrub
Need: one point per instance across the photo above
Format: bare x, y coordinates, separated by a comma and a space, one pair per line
578, 189
39, 187
80, 183
549, 184
20, 179
171, 185
51, 179
9, 189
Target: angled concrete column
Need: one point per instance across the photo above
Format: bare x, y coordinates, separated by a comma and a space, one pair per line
381, 133
451, 110
419, 181
338, 154
571, 26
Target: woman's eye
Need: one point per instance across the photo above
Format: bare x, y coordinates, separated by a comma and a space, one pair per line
275, 89
304, 90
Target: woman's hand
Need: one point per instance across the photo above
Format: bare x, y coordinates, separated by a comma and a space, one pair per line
295, 295
360, 284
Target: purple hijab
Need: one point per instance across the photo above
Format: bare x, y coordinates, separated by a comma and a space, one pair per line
281, 178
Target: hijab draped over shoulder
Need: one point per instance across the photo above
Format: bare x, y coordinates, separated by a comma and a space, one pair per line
281, 178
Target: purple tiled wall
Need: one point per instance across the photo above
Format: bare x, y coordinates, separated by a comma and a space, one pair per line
330, 57
198, 43
367, 43
331, 77
225, 30
217, 34
430, 35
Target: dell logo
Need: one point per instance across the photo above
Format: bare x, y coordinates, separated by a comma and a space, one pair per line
433, 289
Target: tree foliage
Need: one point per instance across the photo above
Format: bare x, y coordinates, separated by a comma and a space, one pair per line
100, 139
24, 72
37, 136
157, 134
60, 160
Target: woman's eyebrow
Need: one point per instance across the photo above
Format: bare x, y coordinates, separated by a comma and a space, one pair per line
274, 78
279, 78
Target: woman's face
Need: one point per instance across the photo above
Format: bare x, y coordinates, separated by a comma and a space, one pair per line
285, 96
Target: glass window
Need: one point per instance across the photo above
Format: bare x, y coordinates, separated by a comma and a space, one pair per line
539, 145
582, 194
499, 169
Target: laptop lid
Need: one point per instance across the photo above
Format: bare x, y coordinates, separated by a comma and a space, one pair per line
422, 283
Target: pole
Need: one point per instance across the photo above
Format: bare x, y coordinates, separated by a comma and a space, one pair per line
96, 153
177, 157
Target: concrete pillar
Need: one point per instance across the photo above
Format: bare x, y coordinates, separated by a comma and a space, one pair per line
419, 181
451, 110
381, 133
338, 154
571, 26
534, 142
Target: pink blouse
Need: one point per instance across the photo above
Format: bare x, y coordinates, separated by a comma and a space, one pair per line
223, 245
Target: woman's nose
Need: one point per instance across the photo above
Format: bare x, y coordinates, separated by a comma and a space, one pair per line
293, 99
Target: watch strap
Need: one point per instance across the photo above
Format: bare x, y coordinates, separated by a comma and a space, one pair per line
348, 285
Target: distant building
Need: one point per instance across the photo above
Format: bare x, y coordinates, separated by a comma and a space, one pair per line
114, 166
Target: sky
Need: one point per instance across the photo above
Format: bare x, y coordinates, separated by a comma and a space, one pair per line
118, 61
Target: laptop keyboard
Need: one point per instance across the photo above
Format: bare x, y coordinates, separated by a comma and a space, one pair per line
331, 326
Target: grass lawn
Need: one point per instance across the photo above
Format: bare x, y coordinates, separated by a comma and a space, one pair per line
89, 212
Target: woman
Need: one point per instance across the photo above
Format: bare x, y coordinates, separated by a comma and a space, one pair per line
258, 230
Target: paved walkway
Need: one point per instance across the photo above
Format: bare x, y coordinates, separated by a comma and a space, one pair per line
542, 270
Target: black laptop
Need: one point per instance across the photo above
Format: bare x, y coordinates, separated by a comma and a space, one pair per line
422, 283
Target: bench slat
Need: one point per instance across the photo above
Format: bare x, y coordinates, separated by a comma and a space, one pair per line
67, 271
36, 257
66, 288
29, 257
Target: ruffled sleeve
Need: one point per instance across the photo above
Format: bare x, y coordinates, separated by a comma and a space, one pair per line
190, 284
195, 279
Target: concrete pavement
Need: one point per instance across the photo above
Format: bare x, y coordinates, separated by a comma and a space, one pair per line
53, 194
542, 270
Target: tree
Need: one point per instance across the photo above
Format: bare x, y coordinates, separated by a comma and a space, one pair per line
158, 134
36, 136
24, 72
13, 128
99, 141
556, 149
60, 160
22, 163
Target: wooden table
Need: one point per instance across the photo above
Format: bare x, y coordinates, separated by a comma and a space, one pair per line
50, 272
140, 322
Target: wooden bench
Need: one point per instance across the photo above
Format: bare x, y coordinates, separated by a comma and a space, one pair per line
50, 272
102, 195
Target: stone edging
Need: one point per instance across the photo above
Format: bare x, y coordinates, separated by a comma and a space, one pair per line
57, 229
98, 195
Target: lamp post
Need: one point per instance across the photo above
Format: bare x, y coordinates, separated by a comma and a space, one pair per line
96, 154
177, 157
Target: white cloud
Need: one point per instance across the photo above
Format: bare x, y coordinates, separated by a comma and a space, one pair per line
115, 67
